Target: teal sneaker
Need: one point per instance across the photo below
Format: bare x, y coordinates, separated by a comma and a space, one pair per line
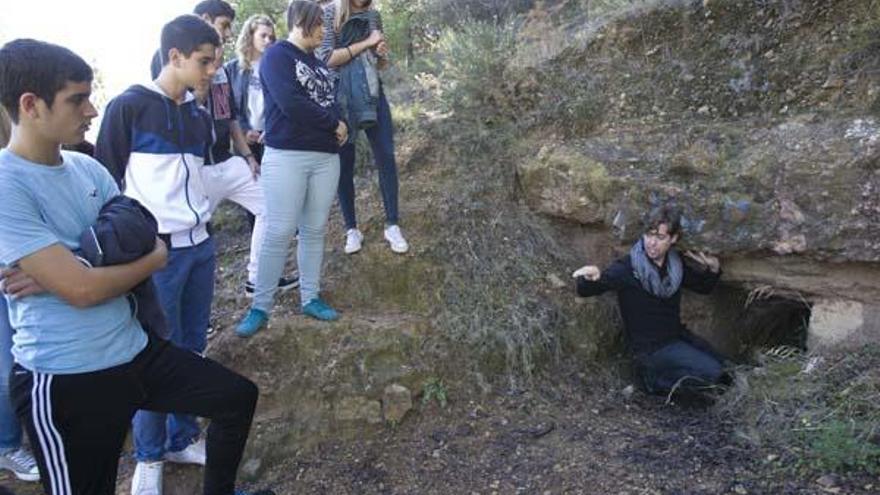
318, 309
252, 323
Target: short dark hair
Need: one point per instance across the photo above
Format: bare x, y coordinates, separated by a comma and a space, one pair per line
214, 9
187, 33
664, 214
31, 66
305, 15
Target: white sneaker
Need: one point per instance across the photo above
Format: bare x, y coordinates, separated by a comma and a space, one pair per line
194, 453
22, 464
147, 479
395, 238
353, 241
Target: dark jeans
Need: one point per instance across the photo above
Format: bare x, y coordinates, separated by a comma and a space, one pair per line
381, 138
662, 369
77, 423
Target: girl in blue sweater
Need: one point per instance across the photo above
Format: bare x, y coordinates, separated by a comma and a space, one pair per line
300, 169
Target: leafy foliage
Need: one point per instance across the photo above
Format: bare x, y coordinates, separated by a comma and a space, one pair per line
434, 390
840, 446
275, 9
413, 27
473, 59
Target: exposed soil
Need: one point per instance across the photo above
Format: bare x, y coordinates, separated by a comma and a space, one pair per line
575, 434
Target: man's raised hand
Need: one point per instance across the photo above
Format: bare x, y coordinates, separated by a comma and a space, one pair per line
709, 261
589, 272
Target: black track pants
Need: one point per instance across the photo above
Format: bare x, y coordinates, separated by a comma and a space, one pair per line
77, 423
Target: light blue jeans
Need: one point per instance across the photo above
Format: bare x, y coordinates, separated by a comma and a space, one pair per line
10, 429
299, 187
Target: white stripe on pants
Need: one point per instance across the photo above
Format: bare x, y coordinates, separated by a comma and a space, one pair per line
50, 440
299, 187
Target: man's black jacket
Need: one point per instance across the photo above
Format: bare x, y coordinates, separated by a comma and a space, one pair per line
650, 322
124, 232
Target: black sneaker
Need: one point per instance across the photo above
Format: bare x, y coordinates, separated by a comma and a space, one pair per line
284, 284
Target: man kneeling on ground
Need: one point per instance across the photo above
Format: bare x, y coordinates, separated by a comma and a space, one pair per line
648, 283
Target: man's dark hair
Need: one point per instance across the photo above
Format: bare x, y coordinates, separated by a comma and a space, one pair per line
305, 15
664, 214
31, 66
187, 33
214, 9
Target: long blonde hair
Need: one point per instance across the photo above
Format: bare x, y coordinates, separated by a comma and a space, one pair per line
244, 47
343, 13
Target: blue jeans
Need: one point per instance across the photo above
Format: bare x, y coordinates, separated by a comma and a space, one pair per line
185, 288
662, 369
10, 429
299, 187
381, 138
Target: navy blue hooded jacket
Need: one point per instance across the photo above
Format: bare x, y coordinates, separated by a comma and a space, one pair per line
124, 232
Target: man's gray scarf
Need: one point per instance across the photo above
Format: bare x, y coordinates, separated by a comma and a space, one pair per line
648, 274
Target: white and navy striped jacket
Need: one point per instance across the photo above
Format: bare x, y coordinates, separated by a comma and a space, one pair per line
155, 150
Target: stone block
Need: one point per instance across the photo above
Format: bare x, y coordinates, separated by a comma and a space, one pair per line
837, 324
396, 402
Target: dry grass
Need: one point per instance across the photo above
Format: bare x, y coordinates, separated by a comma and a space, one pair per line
814, 414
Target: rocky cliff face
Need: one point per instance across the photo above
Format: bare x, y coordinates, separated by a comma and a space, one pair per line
760, 119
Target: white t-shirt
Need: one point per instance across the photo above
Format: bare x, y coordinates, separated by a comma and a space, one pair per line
255, 100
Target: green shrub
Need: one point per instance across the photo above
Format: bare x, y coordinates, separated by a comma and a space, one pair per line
840, 446
473, 58
434, 389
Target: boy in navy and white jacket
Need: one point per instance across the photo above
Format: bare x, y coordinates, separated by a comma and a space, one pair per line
155, 147
153, 140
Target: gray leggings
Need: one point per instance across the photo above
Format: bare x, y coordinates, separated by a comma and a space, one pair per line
299, 187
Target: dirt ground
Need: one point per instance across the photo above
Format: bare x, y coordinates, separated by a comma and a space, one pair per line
574, 434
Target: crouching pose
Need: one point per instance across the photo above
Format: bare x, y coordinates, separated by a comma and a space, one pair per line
648, 283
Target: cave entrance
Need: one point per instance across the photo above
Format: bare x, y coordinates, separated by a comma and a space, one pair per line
770, 320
